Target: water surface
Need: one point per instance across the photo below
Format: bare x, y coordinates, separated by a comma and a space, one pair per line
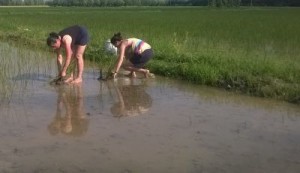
136, 125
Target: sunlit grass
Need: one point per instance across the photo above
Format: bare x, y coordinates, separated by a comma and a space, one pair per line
251, 50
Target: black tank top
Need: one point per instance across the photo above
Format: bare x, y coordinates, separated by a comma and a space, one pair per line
73, 31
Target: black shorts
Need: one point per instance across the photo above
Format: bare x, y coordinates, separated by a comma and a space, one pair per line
83, 38
139, 60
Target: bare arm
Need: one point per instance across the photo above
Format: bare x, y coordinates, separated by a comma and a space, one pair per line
59, 60
121, 56
67, 40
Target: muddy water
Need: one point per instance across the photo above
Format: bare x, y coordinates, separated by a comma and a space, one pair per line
138, 125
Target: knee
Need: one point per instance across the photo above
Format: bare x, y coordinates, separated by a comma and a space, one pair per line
78, 56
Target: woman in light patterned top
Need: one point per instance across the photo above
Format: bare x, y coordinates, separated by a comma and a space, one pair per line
137, 51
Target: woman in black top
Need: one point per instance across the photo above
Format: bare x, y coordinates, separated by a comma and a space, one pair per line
74, 40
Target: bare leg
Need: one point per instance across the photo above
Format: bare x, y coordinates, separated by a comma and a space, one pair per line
146, 72
73, 73
80, 63
59, 62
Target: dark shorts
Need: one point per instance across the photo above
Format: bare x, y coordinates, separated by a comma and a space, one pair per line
83, 38
139, 60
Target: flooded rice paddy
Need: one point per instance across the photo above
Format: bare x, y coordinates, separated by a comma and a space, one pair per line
136, 125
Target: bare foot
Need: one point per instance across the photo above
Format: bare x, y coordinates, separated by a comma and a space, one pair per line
131, 75
149, 75
76, 81
68, 80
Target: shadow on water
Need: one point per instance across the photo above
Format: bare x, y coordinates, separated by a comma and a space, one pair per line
136, 125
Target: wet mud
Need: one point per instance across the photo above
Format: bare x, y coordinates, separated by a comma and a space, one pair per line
136, 125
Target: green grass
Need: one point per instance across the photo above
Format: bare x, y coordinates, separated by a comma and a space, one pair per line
250, 50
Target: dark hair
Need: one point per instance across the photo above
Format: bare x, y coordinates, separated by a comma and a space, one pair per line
52, 38
116, 37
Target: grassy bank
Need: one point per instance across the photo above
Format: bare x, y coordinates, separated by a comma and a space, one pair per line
250, 50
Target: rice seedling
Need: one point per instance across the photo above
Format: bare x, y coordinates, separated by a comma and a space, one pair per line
253, 51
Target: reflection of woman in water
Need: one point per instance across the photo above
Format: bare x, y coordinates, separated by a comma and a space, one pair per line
70, 118
133, 100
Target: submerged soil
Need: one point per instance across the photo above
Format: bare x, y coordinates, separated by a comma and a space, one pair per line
137, 125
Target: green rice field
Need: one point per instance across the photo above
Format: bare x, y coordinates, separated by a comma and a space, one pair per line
254, 51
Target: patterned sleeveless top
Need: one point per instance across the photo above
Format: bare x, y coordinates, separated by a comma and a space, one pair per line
138, 46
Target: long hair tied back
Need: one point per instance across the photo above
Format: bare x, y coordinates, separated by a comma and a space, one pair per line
52, 38
116, 37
